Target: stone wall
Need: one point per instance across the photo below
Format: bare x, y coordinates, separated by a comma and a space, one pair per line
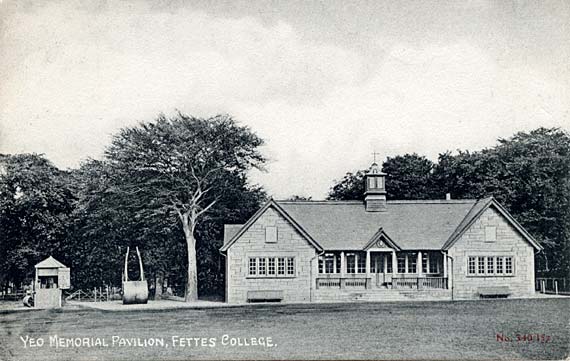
509, 242
290, 243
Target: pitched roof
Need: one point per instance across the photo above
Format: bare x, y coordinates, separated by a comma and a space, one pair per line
411, 225
478, 209
273, 204
50, 262
230, 231
406, 225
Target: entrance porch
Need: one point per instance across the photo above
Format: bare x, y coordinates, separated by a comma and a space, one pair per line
382, 269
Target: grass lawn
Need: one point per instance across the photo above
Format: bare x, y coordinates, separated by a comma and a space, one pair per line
419, 330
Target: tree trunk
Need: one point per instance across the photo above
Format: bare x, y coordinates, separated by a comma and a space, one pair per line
191, 291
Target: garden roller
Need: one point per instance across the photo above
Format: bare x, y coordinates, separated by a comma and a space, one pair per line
134, 292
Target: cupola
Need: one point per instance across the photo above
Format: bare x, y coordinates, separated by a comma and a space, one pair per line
375, 191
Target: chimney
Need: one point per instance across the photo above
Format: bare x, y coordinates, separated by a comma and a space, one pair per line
447, 196
375, 191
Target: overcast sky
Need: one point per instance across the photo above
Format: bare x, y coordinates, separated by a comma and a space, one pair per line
325, 83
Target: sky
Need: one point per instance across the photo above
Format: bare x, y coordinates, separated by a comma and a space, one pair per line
325, 83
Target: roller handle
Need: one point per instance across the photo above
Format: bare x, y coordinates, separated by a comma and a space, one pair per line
126, 273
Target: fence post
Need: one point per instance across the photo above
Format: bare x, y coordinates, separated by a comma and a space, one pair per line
542, 286
556, 286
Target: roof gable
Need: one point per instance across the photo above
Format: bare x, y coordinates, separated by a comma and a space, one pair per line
381, 236
271, 203
478, 209
50, 262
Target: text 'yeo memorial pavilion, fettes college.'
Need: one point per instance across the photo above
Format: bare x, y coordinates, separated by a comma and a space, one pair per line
327, 251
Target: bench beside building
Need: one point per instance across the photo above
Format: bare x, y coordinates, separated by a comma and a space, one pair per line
327, 251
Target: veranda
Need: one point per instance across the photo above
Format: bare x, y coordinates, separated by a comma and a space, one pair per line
383, 268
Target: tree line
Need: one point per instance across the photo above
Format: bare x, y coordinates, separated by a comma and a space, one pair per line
529, 173
169, 185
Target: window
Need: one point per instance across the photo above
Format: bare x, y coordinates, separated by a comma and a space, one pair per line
280, 266
375, 183
253, 266
389, 264
490, 234
412, 260
509, 265
481, 265
329, 263
290, 266
490, 265
271, 234
350, 263
401, 263
272, 266
361, 263
500, 265
425, 262
48, 281
434, 260
371, 183
471, 265
262, 270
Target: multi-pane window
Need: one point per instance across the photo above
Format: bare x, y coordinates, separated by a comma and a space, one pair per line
281, 266
425, 262
490, 265
253, 266
433, 263
375, 182
500, 265
329, 263
471, 265
412, 260
508, 265
389, 264
262, 270
481, 265
401, 258
361, 263
272, 266
351, 263
290, 266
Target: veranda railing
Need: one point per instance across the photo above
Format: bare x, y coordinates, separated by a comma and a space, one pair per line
419, 283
